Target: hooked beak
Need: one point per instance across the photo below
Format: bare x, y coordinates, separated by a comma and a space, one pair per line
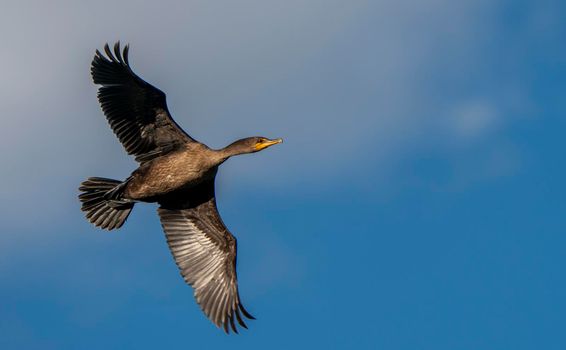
267, 143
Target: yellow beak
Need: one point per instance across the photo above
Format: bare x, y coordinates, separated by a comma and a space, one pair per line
267, 143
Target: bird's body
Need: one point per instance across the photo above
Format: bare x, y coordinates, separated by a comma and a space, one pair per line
178, 173
182, 169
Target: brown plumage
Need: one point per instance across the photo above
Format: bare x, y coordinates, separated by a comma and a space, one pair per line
178, 173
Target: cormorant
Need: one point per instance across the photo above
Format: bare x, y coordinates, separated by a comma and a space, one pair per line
178, 173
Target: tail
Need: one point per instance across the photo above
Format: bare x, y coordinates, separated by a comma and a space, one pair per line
102, 202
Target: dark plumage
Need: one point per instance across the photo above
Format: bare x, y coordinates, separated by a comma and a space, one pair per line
178, 173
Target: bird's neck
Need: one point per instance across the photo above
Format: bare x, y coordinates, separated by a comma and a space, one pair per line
233, 149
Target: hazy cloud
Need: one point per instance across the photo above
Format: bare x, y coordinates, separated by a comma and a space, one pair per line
473, 118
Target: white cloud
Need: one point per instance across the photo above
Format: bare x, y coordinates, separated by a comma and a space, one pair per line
473, 118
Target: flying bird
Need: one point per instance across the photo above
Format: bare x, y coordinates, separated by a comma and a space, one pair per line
175, 171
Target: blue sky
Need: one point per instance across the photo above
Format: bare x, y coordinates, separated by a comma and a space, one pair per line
417, 202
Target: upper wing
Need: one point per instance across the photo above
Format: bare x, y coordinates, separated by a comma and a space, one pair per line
205, 252
137, 111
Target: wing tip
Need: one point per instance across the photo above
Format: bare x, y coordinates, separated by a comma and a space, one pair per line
245, 312
108, 64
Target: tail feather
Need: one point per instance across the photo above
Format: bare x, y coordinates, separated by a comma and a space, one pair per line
102, 202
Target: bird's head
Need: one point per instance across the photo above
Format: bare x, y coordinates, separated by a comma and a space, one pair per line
251, 145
